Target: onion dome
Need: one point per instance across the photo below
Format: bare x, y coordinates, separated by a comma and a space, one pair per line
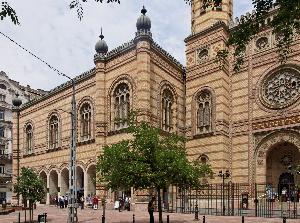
17, 102
101, 46
143, 22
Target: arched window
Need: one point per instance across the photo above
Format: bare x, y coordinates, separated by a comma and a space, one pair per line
53, 132
86, 121
167, 113
204, 114
29, 134
121, 105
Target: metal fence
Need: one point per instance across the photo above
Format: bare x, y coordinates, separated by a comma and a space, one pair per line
232, 199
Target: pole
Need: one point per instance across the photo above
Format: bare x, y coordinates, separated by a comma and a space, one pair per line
18, 150
223, 197
72, 218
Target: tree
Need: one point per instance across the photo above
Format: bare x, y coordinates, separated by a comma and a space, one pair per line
31, 187
149, 160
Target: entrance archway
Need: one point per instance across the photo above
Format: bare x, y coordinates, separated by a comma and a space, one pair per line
53, 185
43, 176
280, 158
80, 181
64, 181
91, 180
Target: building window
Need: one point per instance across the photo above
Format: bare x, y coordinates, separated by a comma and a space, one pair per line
86, 121
2, 86
53, 132
1, 131
29, 134
121, 105
1, 169
167, 113
1, 114
2, 97
204, 114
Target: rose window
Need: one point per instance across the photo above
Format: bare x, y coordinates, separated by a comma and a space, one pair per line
281, 89
262, 43
203, 55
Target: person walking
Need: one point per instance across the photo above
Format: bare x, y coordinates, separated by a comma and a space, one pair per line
151, 209
82, 202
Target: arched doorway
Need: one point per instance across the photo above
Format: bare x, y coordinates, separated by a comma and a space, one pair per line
43, 176
53, 185
91, 180
280, 159
64, 181
80, 181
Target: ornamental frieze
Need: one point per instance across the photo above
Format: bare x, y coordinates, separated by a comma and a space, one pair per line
276, 123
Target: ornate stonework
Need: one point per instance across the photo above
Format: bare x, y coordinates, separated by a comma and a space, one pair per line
281, 88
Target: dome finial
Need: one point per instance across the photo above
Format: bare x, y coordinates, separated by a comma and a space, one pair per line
101, 35
144, 10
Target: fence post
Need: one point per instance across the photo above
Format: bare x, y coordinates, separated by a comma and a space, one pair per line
168, 219
284, 220
103, 219
203, 219
196, 212
243, 219
133, 218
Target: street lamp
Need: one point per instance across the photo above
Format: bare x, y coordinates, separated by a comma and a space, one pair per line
224, 176
17, 102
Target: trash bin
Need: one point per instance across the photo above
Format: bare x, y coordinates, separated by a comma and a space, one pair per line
42, 218
245, 200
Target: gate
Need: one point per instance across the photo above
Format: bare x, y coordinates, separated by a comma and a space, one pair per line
233, 199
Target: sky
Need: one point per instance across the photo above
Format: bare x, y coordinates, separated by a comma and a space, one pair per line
52, 31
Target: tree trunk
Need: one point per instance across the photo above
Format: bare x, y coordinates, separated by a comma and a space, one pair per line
25, 206
160, 220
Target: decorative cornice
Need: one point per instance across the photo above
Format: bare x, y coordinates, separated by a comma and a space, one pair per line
168, 55
217, 25
59, 88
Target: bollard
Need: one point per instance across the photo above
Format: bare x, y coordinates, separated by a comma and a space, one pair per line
45, 214
243, 219
196, 212
203, 219
133, 218
284, 219
168, 219
103, 219
19, 217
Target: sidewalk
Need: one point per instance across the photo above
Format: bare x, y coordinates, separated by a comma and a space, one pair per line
55, 215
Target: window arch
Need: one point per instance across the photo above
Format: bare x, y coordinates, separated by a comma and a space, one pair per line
53, 132
121, 97
29, 138
204, 112
167, 112
86, 121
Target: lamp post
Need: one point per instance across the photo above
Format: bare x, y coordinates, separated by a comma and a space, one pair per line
224, 176
72, 204
17, 102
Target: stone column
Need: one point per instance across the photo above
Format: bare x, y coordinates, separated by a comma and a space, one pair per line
85, 184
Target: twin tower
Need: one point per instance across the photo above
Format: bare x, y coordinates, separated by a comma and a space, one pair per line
205, 13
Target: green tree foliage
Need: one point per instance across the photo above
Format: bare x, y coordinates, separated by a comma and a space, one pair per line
7, 11
31, 187
149, 160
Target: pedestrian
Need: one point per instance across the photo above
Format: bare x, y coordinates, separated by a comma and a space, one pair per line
66, 201
120, 204
95, 203
82, 202
61, 201
151, 209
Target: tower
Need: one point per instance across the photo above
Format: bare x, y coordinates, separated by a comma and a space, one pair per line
207, 12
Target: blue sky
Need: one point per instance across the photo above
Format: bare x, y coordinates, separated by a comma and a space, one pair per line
54, 33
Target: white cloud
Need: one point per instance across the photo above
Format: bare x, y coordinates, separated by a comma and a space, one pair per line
53, 32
